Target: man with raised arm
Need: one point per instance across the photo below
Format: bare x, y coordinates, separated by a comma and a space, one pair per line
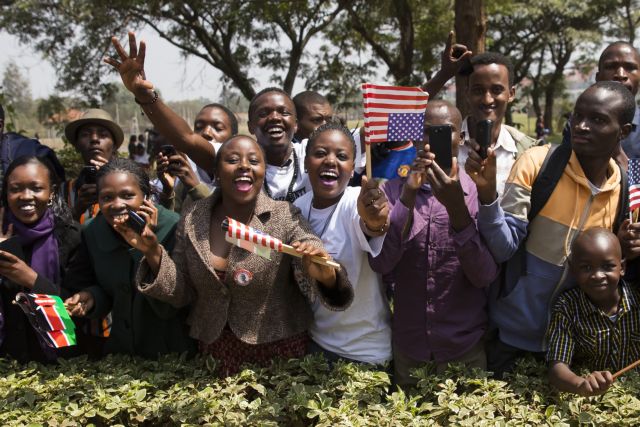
272, 119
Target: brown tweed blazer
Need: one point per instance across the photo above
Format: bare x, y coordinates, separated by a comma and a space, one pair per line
272, 306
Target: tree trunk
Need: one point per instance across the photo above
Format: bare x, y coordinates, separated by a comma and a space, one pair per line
471, 27
562, 59
404, 63
631, 28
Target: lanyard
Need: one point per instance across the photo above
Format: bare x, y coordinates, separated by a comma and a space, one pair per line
289, 197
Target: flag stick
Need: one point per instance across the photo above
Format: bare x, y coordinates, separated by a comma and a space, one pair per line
288, 249
367, 152
318, 260
626, 369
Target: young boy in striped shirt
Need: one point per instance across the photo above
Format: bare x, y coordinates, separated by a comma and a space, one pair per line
597, 324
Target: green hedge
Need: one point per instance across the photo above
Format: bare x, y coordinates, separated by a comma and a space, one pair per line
174, 391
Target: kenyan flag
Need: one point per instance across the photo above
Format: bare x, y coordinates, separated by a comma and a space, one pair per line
49, 317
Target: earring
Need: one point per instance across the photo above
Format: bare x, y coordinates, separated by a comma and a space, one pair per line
50, 202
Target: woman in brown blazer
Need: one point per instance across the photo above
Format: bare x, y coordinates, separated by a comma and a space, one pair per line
244, 308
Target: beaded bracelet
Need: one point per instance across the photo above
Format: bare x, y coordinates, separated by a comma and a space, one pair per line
381, 230
155, 98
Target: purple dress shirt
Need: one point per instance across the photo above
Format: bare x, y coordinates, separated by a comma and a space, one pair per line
440, 275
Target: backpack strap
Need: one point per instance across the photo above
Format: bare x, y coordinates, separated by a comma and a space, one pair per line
550, 173
623, 204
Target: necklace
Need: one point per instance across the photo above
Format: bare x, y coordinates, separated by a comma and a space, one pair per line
290, 196
326, 224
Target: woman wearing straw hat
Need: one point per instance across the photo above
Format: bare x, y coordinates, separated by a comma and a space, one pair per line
97, 138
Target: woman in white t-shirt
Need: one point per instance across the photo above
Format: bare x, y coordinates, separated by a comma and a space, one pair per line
352, 223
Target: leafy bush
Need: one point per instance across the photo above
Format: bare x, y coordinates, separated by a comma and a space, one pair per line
174, 391
70, 159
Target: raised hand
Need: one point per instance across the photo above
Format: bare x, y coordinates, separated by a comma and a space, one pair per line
162, 169
417, 177
147, 242
446, 188
149, 212
448, 191
453, 57
372, 207
483, 173
87, 196
422, 162
131, 66
98, 161
629, 237
320, 273
179, 166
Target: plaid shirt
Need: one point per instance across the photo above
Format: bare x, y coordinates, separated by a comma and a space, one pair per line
581, 332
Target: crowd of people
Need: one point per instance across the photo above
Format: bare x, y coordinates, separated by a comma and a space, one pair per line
524, 248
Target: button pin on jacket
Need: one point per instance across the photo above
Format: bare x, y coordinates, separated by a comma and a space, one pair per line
242, 277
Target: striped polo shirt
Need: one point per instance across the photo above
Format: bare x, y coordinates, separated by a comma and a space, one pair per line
581, 333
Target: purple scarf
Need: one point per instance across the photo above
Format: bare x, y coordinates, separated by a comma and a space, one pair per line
39, 236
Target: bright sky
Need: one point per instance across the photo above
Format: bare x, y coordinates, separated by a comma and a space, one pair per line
177, 78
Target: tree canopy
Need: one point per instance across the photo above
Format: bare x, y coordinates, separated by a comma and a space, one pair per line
333, 45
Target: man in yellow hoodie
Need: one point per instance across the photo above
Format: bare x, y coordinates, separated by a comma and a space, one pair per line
586, 195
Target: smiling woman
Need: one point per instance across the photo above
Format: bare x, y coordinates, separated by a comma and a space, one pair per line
243, 308
101, 273
351, 223
40, 223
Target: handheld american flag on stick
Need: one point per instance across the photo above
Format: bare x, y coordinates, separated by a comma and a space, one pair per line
392, 113
262, 244
49, 317
634, 189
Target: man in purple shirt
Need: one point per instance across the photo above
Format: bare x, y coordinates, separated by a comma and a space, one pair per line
440, 264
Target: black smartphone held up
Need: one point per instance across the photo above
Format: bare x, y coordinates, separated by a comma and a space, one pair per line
168, 150
484, 129
89, 174
440, 145
135, 222
13, 246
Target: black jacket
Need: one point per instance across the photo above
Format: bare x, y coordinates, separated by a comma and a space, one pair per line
19, 339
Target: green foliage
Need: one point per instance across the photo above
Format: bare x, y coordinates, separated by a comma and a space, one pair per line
625, 18
405, 36
174, 391
233, 36
70, 159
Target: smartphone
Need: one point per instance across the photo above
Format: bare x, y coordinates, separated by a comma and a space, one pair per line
89, 173
440, 145
484, 129
135, 222
13, 246
168, 150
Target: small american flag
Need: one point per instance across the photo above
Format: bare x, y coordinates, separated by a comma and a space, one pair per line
634, 184
251, 239
393, 113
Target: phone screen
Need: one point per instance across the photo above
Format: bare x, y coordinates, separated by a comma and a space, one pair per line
440, 145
